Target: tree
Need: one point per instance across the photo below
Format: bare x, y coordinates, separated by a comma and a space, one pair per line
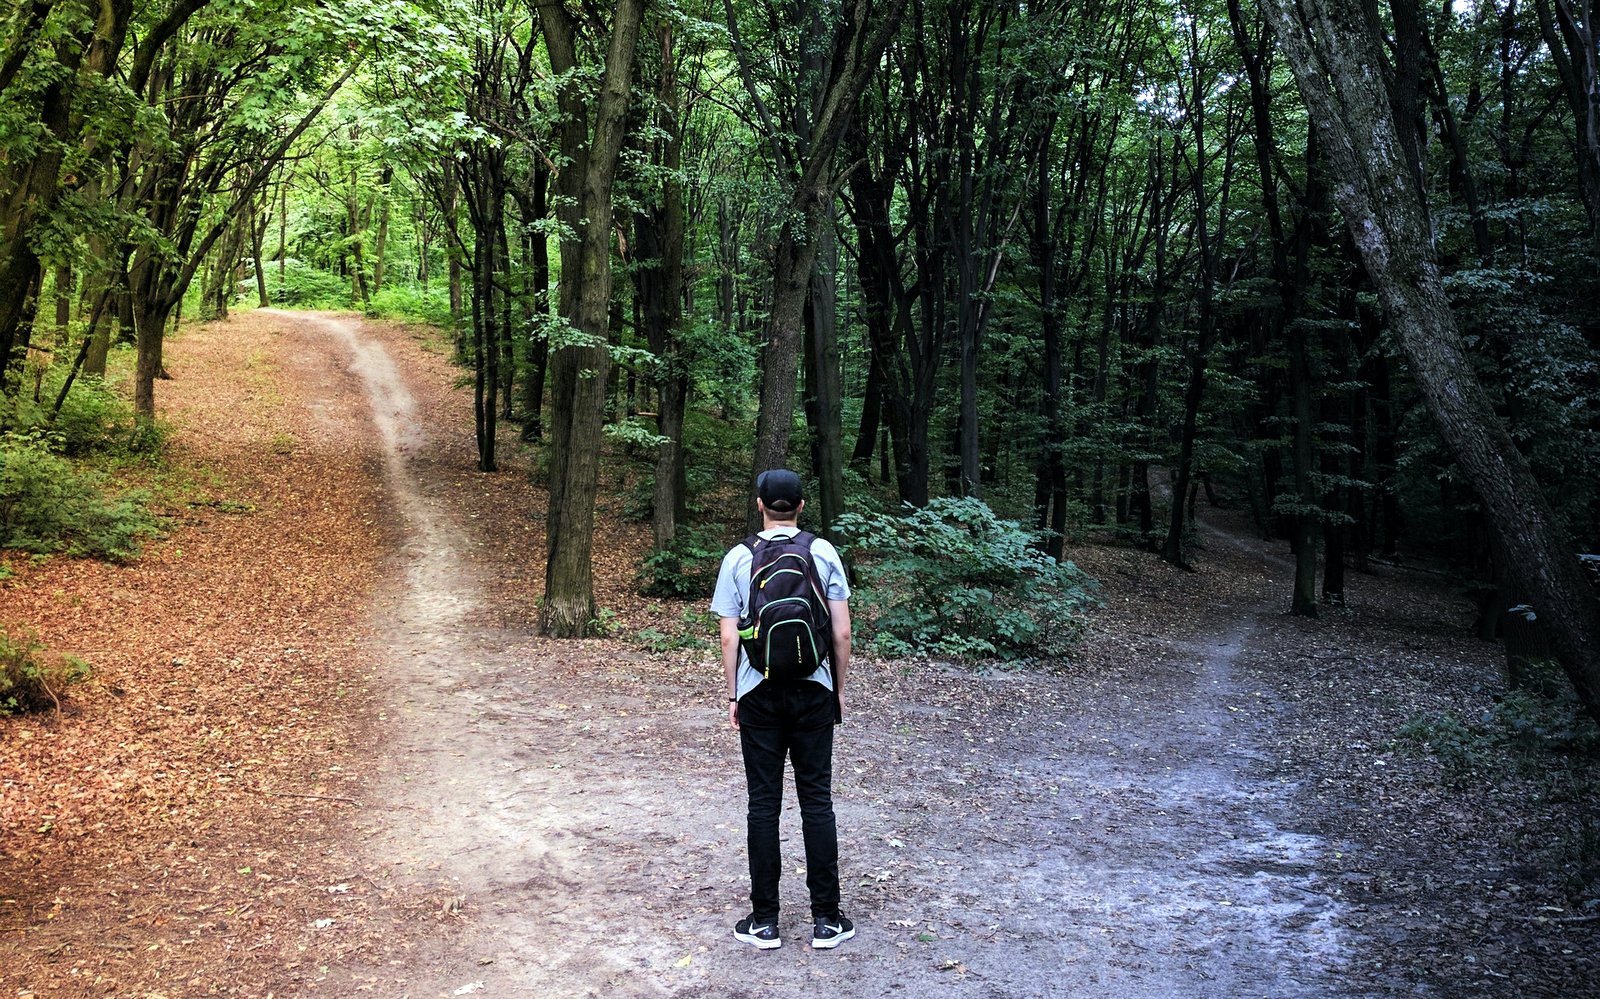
1569, 32
802, 125
592, 133
1335, 58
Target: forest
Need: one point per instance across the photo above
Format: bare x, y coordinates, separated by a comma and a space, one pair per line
1041, 256
996, 277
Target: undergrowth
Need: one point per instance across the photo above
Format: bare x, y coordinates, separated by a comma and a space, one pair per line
48, 505
31, 677
952, 579
685, 569
1526, 726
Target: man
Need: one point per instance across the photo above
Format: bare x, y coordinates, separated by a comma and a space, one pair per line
797, 718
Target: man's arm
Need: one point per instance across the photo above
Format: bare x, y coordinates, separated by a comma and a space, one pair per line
729, 630
839, 610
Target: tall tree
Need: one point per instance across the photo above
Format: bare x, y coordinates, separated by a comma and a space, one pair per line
802, 125
1568, 28
592, 132
1333, 54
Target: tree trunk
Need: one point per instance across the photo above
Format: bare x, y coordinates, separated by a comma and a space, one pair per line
283, 231
451, 209
791, 282
1304, 455
1194, 393
816, 114
1331, 56
1050, 486
63, 304
824, 408
257, 234
538, 353
659, 280
1569, 36
580, 371
357, 243
871, 419
381, 241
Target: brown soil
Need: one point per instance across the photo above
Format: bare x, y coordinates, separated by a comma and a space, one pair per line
326, 755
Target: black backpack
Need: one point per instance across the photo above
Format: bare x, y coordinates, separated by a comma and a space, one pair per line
786, 631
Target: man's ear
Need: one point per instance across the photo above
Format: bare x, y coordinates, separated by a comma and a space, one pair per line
761, 507
797, 509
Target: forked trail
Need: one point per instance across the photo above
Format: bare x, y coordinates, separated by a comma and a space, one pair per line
1047, 834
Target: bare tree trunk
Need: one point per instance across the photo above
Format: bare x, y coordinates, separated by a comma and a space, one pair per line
818, 116
578, 408
381, 241
1332, 56
824, 408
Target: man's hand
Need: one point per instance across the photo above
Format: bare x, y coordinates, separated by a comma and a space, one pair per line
733, 714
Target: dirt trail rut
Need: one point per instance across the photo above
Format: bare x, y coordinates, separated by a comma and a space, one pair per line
1002, 835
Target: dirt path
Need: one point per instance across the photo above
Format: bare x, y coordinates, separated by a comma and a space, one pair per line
325, 755
1002, 835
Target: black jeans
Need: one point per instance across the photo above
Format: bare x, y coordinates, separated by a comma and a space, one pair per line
797, 720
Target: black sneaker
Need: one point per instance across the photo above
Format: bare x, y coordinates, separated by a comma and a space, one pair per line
828, 933
758, 934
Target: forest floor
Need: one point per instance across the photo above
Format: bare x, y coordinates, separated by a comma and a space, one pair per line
325, 754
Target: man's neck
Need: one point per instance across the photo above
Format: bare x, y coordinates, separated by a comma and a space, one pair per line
768, 524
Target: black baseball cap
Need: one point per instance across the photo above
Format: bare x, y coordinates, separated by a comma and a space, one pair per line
779, 490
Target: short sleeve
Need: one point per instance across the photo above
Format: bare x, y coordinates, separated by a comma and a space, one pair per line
834, 580
727, 601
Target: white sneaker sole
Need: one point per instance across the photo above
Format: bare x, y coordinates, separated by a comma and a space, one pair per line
832, 942
759, 942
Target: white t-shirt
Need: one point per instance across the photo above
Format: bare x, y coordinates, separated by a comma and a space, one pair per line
733, 590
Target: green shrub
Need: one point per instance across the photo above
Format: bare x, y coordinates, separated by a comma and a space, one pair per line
694, 632
1529, 727
93, 420
32, 679
307, 287
1457, 746
411, 303
686, 569
951, 579
47, 505
1525, 721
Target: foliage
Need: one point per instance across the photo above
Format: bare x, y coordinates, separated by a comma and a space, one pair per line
953, 579
1447, 737
604, 623
411, 303
47, 505
692, 632
93, 420
31, 677
1526, 724
686, 569
632, 434
304, 286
